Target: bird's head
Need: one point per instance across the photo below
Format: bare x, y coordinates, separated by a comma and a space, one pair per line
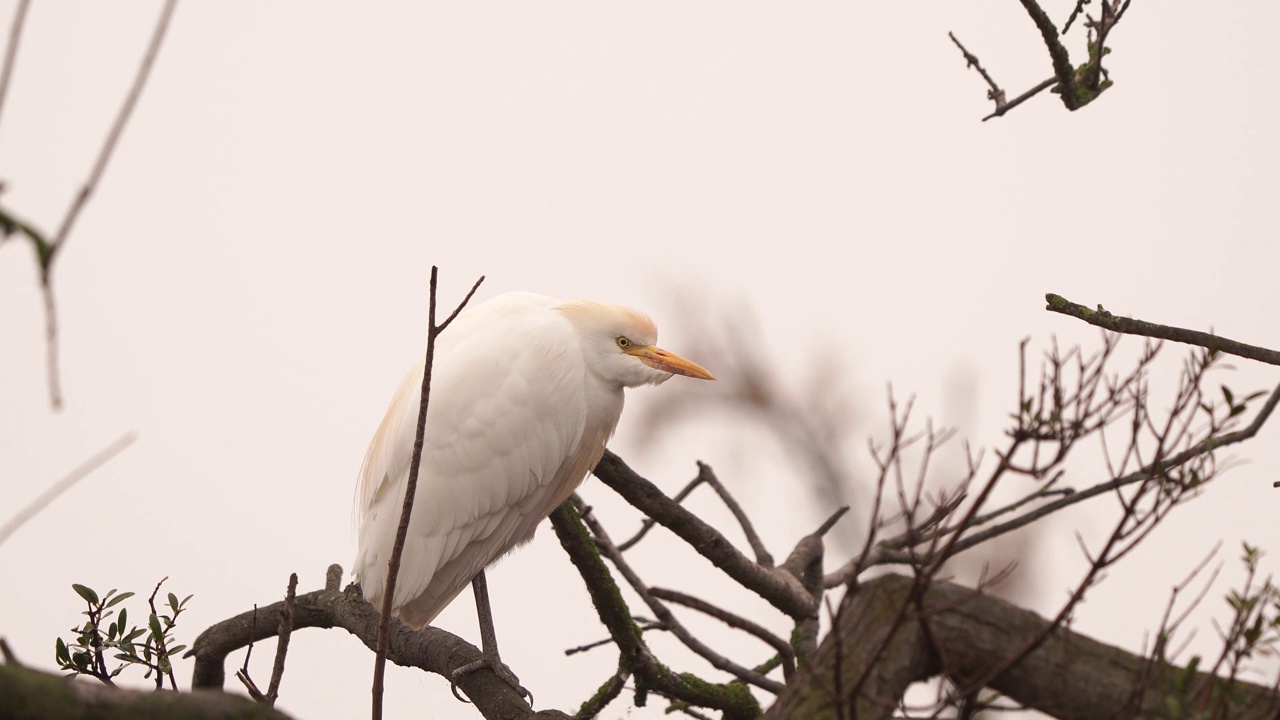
619, 345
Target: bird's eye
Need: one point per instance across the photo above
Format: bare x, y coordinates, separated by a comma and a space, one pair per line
623, 342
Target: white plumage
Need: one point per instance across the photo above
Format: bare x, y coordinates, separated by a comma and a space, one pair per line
525, 392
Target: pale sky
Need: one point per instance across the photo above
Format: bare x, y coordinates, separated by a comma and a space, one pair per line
249, 284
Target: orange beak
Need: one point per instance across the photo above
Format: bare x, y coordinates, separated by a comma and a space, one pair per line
660, 359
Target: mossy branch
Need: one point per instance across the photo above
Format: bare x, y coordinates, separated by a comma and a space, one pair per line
733, 699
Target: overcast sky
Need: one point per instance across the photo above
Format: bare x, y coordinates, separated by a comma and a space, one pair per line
248, 285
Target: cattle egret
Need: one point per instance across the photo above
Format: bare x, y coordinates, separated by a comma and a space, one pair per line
526, 390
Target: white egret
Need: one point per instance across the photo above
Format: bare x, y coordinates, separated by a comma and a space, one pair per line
526, 391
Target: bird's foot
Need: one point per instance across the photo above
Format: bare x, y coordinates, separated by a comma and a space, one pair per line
499, 668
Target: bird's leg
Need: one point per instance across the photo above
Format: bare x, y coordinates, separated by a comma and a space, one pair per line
488, 642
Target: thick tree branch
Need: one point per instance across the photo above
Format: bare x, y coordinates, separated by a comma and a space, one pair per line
32, 695
1070, 676
430, 649
1066, 75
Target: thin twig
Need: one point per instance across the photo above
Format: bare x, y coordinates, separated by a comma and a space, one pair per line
642, 626
882, 556
785, 651
250, 686
1075, 13
282, 647
995, 94
1045, 85
65, 484
248, 653
650, 522
672, 624
1129, 326
753, 538
117, 129
402, 532
82, 198
11, 52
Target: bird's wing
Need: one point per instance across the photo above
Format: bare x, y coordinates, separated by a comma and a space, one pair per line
505, 434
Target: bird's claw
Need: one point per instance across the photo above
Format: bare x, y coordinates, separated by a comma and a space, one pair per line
498, 667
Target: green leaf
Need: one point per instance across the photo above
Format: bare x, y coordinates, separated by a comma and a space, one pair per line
123, 614
81, 660
118, 599
61, 653
173, 601
177, 649
85, 592
156, 631
1226, 393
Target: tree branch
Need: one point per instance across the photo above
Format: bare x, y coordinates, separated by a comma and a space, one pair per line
11, 52
1066, 75
782, 589
430, 649
1071, 676
33, 695
733, 699
1105, 320
65, 484
402, 530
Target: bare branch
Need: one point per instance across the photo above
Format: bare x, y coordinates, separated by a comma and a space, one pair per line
733, 698
11, 52
780, 588
669, 621
65, 484
757, 545
995, 94
113, 137
285, 632
969, 633
785, 651
430, 649
1034, 91
1105, 320
48, 253
402, 531
650, 522
1065, 74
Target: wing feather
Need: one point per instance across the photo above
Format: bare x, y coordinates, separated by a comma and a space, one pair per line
507, 440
